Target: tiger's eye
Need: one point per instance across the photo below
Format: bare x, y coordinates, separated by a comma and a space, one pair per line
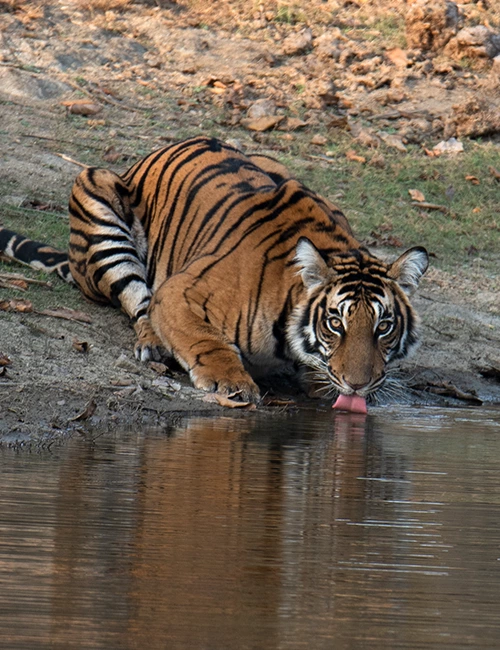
335, 325
384, 327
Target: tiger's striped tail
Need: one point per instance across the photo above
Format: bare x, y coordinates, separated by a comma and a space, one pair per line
35, 254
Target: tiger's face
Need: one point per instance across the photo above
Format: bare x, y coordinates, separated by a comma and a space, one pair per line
356, 317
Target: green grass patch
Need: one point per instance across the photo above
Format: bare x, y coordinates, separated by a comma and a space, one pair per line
377, 200
290, 15
49, 227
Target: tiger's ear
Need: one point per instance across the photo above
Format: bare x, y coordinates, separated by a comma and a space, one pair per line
313, 268
409, 268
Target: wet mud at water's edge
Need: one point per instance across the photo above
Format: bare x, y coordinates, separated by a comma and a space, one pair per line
303, 529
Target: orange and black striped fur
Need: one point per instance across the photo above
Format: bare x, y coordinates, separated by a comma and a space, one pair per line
234, 268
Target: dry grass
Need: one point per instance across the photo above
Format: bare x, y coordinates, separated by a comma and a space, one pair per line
103, 5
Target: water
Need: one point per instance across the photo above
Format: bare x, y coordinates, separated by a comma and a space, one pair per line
311, 530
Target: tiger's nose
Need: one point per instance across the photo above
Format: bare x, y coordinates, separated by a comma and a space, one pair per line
356, 387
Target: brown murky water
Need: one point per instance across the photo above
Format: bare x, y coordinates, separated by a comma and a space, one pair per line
311, 530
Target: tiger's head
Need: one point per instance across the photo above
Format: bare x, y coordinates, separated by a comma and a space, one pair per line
356, 316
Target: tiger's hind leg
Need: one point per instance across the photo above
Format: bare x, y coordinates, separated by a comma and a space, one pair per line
179, 314
107, 252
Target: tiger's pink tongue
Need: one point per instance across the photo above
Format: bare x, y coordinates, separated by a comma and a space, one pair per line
351, 403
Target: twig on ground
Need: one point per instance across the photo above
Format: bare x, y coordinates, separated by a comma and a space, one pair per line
17, 276
71, 160
430, 206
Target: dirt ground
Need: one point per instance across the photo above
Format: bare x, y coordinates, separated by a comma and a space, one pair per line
106, 82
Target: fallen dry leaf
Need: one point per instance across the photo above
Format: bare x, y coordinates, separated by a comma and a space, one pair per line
385, 240
228, 402
367, 139
87, 412
416, 195
159, 367
121, 382
82, 107
22, 306
111, 155
94, 123
494, 172
354, 157
472, 179
67, 314
293, 123
21, 285
81, 346
338, 122
166, 385
4, 360
43, 206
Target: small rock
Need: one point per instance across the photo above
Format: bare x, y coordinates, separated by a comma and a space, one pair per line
261, 108
495, 68
319, 140
327, 46
397, 56
430, 24
420, 124
367, 65
327, 91
297, 43
392, 140
392, 96
263, 123
474, 42
451, 146
475, 117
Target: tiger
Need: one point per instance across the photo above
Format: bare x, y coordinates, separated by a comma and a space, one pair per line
227, 264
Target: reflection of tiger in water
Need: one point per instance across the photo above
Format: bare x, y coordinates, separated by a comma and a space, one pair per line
226, 263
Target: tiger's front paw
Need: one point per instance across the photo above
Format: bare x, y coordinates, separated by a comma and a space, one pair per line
149, 346
235, 382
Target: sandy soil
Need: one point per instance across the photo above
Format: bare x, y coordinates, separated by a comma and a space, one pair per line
158, 73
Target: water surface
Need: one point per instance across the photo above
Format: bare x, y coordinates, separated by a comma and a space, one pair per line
309, 530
